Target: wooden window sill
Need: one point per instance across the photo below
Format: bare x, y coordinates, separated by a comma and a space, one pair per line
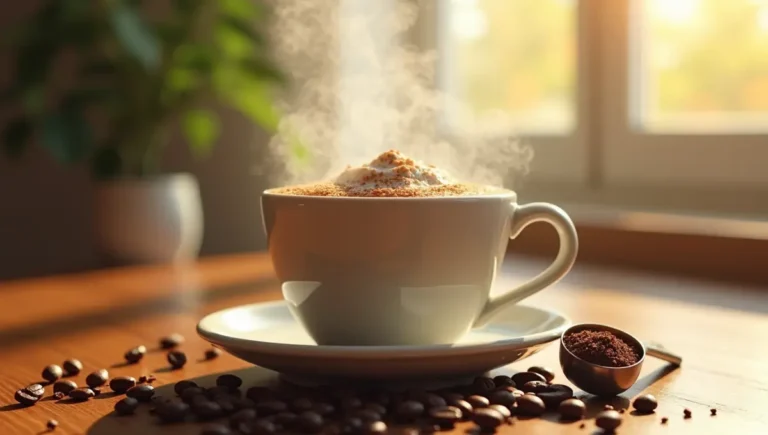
723, 249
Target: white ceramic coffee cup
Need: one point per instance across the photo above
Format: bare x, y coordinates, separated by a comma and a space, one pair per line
401, 271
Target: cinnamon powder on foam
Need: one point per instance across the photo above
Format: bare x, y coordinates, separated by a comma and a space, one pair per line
389, 175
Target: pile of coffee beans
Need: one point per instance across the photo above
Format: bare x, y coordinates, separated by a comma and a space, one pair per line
229, 407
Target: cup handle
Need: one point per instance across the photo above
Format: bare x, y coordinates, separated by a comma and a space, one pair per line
521, 216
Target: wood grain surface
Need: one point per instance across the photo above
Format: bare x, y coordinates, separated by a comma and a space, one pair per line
721, 332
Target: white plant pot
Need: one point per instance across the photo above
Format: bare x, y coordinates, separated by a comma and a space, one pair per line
149, 220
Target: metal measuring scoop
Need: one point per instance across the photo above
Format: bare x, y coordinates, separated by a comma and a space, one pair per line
608, 381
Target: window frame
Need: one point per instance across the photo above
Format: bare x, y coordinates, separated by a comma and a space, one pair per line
606, 160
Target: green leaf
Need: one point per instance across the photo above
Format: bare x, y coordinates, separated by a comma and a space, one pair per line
201, 129
196, 57
233, 43
106, 163
15, 136
262, 69
241, 8
67, 136
135, 36
245, 29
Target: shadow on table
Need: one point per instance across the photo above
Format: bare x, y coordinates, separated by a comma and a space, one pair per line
144, 423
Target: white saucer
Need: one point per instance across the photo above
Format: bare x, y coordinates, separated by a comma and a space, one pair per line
267, 335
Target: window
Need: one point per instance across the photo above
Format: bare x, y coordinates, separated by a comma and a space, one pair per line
662, 95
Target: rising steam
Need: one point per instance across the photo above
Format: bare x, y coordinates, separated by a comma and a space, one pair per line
358, 89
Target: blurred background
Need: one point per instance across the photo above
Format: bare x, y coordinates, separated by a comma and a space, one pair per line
649, 121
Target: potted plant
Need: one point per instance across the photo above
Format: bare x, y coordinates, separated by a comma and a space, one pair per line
104, 83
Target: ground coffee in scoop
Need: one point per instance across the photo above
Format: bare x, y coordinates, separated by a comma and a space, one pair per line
602, 348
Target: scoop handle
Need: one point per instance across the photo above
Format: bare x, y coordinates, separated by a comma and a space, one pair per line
521, 216
660, 352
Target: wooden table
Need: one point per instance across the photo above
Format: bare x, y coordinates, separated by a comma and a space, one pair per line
721, 331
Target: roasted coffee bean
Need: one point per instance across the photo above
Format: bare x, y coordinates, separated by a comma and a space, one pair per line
171, 341
478, 402
142, 393
52, 373
554, 394
270, 407
309, 422
664, 420
429, 428
229, 381
502, 381
515, 392
487, 419
446, 416
25, 397
367, 415
97, 378
172, 412
450, 396
81, 394
188, 393
212, 353
302, 404
59, 395
464, 406
51, 424
409, 410
375, 428
242, 416
572, 409
216, 429
324, 408
183, 385
377, 408
531, 405
608, 420
206, 409
126, 406
432, 400
349, 403
687, 413
243, 403
135, 355
503, 410
546, 372
35, 389
502, 397
72, 367
121, 384
483, 385
645, 404
523, 377
261, 427
351, 425
286, 419
713, 412
226, 403
64, 386
259, 393
216, 391
534, 386
176, 358
607, 407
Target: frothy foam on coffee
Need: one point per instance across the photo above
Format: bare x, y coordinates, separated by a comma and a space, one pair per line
392, 170
391, 174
